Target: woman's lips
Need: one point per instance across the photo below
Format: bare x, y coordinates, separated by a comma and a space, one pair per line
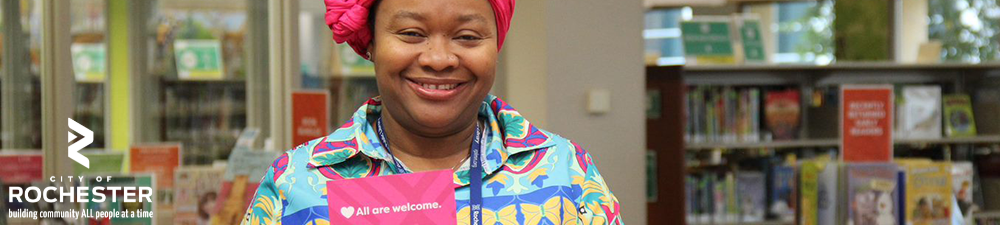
436, 90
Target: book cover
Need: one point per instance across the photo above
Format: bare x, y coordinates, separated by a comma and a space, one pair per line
782, 204
782, 110
958, 118
195, 193
817, 188
238, 187
752, 191
920, 113
160, 159
963, 178
809, 190
928, 192
827, 195
872, 194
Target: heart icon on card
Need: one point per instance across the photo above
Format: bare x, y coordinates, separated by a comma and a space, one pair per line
347, 211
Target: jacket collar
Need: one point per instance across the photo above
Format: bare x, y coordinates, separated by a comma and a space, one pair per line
509, 134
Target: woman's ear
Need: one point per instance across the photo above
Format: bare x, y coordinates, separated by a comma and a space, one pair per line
371, 45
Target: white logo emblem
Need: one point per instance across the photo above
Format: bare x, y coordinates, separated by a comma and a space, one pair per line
78, 142
348, 212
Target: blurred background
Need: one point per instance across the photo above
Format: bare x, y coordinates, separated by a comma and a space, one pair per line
732, 98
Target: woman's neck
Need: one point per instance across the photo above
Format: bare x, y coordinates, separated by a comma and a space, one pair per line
426, 153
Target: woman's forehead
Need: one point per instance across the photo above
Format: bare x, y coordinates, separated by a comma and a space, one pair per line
425, 10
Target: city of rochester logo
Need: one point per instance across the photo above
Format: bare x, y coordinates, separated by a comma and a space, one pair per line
79, 138
127, 197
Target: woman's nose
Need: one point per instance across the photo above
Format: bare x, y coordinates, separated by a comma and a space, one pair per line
438, 56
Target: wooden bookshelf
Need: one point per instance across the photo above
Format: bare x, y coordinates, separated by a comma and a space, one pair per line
764, 144
665, 133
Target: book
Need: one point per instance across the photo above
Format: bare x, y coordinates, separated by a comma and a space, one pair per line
809, 190
872, 194
920, 113
928, 192
827, 195
958, 118
782, 203
752, 190
963, 177
160, 159
195, 193
240, 180
782, 112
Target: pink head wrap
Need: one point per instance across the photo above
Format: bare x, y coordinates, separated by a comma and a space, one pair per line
349, 21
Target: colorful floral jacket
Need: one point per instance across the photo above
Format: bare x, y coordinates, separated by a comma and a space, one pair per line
531, 176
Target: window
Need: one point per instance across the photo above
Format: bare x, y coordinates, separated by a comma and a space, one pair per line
663, 35
805, 32
967, 29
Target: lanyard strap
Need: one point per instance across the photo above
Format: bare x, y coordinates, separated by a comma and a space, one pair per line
476, 180
475, 171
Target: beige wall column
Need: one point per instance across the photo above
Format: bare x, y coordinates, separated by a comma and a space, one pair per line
556, 52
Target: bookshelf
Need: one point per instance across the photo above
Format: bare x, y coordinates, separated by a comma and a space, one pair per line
818, 131
981, 139
206, 116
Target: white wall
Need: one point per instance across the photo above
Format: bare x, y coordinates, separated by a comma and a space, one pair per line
586, 44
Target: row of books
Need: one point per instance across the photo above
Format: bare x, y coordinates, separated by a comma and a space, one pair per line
825, 191
726, 114
725, 198
722, 114
185, 194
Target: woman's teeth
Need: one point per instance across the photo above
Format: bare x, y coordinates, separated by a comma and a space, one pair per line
439, 86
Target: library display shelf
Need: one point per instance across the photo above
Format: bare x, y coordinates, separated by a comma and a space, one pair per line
748, 223
842, 66
982, 139
763, 144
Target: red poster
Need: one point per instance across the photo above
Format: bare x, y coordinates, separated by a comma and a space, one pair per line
310, 110
160, 159
21, 167
866, 123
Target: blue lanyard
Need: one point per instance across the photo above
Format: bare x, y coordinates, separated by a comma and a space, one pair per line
475, 171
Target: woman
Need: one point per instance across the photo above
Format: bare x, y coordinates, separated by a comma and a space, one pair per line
435, 61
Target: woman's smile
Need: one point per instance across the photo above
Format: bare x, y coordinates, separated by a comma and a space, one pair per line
436, 89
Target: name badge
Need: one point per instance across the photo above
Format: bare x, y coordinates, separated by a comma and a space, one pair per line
416, 198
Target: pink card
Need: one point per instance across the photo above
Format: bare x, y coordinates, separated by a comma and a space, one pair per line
417, 198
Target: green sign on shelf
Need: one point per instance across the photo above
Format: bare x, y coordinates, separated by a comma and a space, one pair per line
753, 46
708, 41
198, 59
89, 62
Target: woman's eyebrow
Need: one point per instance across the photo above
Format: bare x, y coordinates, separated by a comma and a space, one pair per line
472, 18
408, 15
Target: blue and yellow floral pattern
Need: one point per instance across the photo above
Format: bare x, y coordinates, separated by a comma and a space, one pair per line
530, 176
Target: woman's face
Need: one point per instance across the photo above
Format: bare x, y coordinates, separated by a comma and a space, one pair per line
435, 61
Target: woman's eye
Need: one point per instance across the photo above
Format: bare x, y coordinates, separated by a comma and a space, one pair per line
469, 38
411, 34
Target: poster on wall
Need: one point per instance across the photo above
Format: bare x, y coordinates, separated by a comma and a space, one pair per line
198, 59
866, 123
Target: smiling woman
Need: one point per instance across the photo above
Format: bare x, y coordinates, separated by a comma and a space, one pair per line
435, 61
